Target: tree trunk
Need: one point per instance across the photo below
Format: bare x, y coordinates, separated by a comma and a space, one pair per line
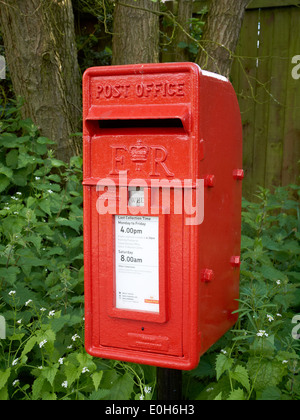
221, 34
136, 32
41, 53
185, 13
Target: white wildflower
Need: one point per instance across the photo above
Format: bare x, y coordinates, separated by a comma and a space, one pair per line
284, 362
147, 389
85, 369
75, 336
278, 281
262, 333
61, 361
14, 362
20, 321
223, 351
51, 313
279, 315
142, 397
43, 309
270, 318
12, 293
28, 301
42, 343
15, 383
65, 384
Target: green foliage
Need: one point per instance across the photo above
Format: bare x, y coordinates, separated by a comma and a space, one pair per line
41, 291
41, 279
94, 28
259, 358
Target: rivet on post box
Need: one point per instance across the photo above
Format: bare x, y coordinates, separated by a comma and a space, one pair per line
161, 282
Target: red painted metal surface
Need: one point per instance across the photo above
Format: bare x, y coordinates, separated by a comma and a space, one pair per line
157, 122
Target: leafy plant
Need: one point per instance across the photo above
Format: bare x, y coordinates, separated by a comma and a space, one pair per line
41, 279
259, 358
41, 291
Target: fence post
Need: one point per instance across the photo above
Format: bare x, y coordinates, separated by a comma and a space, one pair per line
169, 384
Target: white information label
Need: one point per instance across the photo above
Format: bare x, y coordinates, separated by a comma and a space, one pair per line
137, 263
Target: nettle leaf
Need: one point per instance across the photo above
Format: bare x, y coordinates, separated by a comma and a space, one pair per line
76, 225
214, 389
11, 158
49, 373
20, 177
4, 394
24, 159
72, 372
237, 395
9, 140
271, 273
223, 363
271, 393
12, 225
246, 242
4, 170
218, 397
241, 375
9, 274
4, 375
122, 388
4, 182
265, 373
48, 336
35, 240
29, 346
37, 387
101, 394
45, 206
96, 377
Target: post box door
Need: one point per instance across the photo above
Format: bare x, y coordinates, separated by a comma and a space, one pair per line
132, 326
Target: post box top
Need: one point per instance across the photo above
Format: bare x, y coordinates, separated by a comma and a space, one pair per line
144, 84
156, 110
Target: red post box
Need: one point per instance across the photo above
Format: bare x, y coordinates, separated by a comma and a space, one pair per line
162, 212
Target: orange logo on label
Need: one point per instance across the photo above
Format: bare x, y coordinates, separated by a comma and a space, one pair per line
151, 301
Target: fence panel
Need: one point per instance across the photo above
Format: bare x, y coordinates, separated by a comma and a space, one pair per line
269, 97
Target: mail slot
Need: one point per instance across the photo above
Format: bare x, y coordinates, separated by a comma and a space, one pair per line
162, 212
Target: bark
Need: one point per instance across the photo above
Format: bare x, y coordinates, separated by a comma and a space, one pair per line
41, 52
221, 34
136, 32
185, 13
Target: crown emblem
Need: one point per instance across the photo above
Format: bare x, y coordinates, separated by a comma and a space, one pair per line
139, 154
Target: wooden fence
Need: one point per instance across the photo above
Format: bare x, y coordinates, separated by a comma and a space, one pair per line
269, 95
267, 80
